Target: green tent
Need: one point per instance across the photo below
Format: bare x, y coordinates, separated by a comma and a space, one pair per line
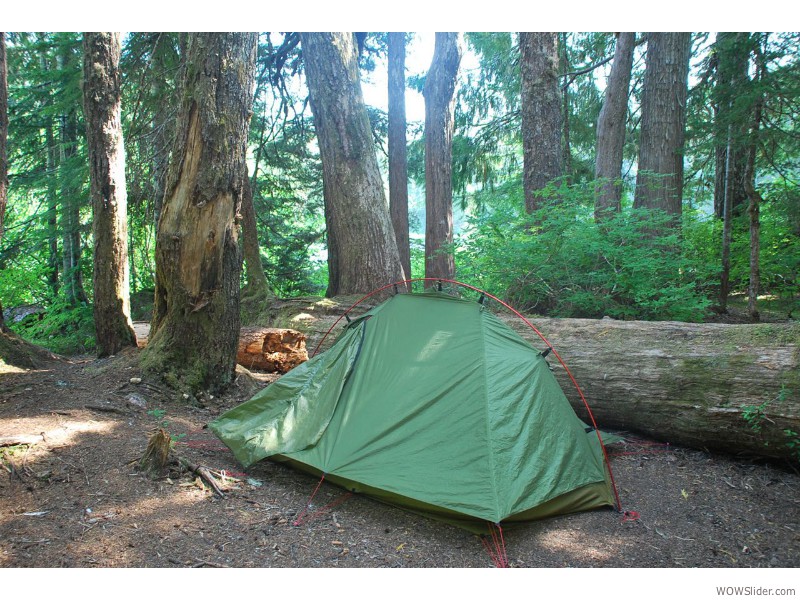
431, 403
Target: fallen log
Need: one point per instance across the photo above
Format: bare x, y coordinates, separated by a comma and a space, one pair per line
732, 388
729, 388
271, 349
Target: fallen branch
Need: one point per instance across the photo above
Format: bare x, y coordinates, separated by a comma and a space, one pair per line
203, 472
109, 409
205, 563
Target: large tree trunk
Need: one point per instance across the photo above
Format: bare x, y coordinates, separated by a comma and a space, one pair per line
659, 180
257, 285
439, 95
198, 260
398, 161
734, 388
362, 252
541, 113
102, 108
611, 130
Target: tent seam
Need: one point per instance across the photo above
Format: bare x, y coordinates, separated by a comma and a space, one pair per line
489, 439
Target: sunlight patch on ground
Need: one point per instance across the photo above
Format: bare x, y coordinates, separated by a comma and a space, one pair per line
5, 368
578, 544
62, 435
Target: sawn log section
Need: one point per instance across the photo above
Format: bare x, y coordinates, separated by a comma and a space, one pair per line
269, 349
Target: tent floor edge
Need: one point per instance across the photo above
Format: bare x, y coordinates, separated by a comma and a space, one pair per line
588, 497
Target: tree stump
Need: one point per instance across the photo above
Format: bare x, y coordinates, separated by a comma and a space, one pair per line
155, 459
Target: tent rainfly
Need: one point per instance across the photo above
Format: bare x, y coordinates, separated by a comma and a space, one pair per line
431, 403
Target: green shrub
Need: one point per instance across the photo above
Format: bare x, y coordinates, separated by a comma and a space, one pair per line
558, 261
64, 329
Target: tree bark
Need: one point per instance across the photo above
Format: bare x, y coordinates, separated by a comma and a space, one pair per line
439, 95
611, 130
566, 146
698, 385
398, 160
198, 261
102, 101
541, 114
53, 258
659, 181
362, 251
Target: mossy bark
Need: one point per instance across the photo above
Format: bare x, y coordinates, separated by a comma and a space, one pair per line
195, 325
102, 103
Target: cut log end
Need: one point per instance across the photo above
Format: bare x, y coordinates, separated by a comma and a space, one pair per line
270, 349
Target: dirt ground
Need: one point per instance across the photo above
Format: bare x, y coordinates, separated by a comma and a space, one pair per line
76, 499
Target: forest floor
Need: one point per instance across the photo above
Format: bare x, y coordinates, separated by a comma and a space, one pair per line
76, 499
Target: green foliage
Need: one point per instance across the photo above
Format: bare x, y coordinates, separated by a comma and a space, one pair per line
64, 329
793, 443
287, 196
755, 415
158, 414
560, 262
